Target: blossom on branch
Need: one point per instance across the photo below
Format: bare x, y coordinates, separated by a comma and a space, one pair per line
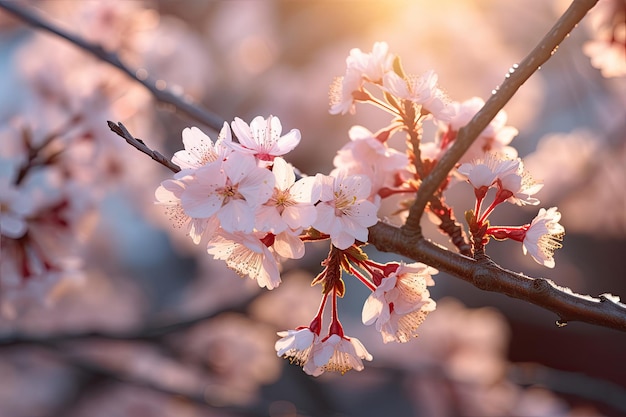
544, 236
291, 204
231, 190
344, 211
336, 353
360, 68
421, 90
262, 138
296, 345
366, 155
400, 302
200, 150
248, 255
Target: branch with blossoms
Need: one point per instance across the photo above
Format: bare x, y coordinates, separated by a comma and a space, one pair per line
244, 202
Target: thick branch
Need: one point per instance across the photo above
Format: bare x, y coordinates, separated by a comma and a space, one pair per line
603, 311
182, 104
514, 80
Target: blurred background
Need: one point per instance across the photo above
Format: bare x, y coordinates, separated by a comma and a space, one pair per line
82, 345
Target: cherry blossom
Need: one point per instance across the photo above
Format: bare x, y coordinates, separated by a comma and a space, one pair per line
168, 195
296, 345
337, 354
495, 138
232, 190
360, 68
262, 138
344, 211
291, 204
421, 90
367, 155
607, 50
544, 236
200, 150
400, 302
483, 172
248, 255
520, 185
540, 238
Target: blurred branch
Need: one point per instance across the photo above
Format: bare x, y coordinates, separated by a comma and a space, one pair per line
139, 144
486, 275
197, 398
572, 383
502, 94
150, 332
180, 103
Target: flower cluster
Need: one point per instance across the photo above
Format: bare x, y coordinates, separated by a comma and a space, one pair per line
243, 201
541, 237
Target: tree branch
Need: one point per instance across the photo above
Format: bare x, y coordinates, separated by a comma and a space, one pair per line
502, 94
150, 332
139, 144
486, 275
182, 104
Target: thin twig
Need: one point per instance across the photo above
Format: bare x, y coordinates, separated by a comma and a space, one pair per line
514, 80
139, 144
181, 103
568, 306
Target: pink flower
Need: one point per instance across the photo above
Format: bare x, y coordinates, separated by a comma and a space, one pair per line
263, 138
544, 236
607, 50
337, 354
371, 66
495, 138
248, 255
368, 156
360, 68
168, 195
401, 302
200, 150
520, 184
232, 190
421, 90
344, 211
292, 203
483, 172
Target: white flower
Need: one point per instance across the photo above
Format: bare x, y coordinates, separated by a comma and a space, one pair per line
296, 345
231, 190
360, 68
366, 155
248, 255
200, 150
420, 90
337, 354
168, 195
401, 302
483, 172
520, 184
291, 205
263, 138
344, 211
371, 66
544, 236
